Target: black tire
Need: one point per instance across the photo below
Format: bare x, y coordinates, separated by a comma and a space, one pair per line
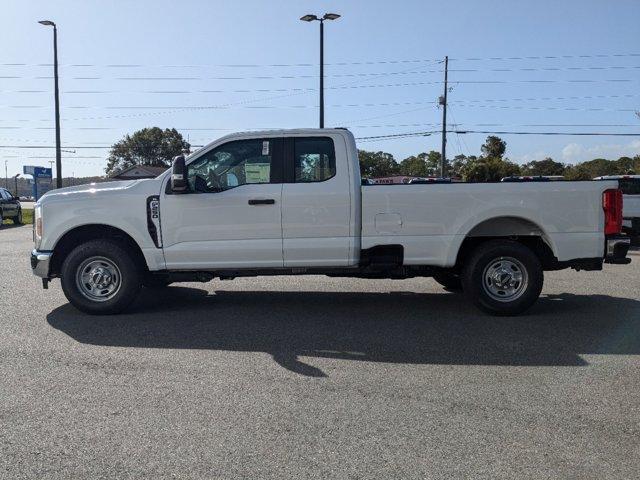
506, 259
449, 281
128, 272
1, 218
17, 220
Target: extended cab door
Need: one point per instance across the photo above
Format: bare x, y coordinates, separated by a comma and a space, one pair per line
231, 217
317, 217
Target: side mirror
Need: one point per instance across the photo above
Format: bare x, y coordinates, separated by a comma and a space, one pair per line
179, 182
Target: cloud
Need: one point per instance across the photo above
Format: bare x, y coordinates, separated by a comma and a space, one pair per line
529, 157
575, 152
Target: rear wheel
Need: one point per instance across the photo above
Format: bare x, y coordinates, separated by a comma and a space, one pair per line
450, 281
503, 277
100, 277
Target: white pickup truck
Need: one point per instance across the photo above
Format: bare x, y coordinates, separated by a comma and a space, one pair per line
291, 202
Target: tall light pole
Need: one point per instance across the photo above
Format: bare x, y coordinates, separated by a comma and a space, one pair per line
312, 18
57, 101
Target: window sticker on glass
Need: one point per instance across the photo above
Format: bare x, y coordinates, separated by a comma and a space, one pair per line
265, 147
257, 172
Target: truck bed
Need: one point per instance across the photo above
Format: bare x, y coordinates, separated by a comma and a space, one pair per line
431, 221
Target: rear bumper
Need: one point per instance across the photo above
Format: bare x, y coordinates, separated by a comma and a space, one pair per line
40, 263
616, 250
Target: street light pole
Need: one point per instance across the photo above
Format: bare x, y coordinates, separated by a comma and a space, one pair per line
15, 178
57, 101
311, 18
321, 73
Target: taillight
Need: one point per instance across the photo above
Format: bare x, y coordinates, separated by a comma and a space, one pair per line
612, 205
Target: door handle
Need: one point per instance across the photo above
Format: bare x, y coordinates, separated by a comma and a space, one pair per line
262, 201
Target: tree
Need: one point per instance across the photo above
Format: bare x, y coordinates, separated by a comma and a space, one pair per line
458, 163
421, 165
593, 168
494, 147
628, 166
377, 164
488, 169
149, 146
548, 166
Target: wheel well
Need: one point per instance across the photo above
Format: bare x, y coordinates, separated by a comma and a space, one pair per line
517, 229
85, 233
535, 243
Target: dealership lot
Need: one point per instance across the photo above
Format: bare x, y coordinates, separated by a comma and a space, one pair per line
312, 377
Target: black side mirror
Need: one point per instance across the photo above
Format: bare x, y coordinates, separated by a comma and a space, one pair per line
179, 182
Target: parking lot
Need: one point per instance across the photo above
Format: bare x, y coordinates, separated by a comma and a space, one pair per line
313, 377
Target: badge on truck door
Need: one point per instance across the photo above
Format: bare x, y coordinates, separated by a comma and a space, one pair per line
153, 219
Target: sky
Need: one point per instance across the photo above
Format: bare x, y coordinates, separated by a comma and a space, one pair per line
209, 68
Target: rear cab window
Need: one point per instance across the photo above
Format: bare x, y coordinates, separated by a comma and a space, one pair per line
314, 159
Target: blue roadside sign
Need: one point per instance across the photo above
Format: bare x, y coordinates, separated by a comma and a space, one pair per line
41, 172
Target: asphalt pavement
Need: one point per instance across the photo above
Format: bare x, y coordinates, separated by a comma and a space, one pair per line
314, 377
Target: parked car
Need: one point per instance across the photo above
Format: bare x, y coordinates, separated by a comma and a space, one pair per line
431, 180
9, 207
630, 186
290, 202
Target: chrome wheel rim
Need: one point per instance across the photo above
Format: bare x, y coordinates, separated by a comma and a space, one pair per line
98, 279
505, 279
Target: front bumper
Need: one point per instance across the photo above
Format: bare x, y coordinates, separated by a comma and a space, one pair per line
616, 250
40, 262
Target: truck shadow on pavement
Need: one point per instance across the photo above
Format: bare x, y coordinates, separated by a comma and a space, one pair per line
396, 327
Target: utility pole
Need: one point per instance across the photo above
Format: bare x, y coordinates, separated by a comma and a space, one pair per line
6, 176
443, 102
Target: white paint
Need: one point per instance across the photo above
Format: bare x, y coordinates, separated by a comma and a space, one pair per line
326, 223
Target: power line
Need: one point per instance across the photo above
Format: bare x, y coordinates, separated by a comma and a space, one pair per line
335, 105
585, 134
229, 65
395, 135
312, 64
254, 77
548, 57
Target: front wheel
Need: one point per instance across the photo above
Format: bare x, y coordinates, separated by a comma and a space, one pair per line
503, 277
100, 277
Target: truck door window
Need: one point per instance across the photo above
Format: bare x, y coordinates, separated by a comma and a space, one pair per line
233, 164
314, 159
